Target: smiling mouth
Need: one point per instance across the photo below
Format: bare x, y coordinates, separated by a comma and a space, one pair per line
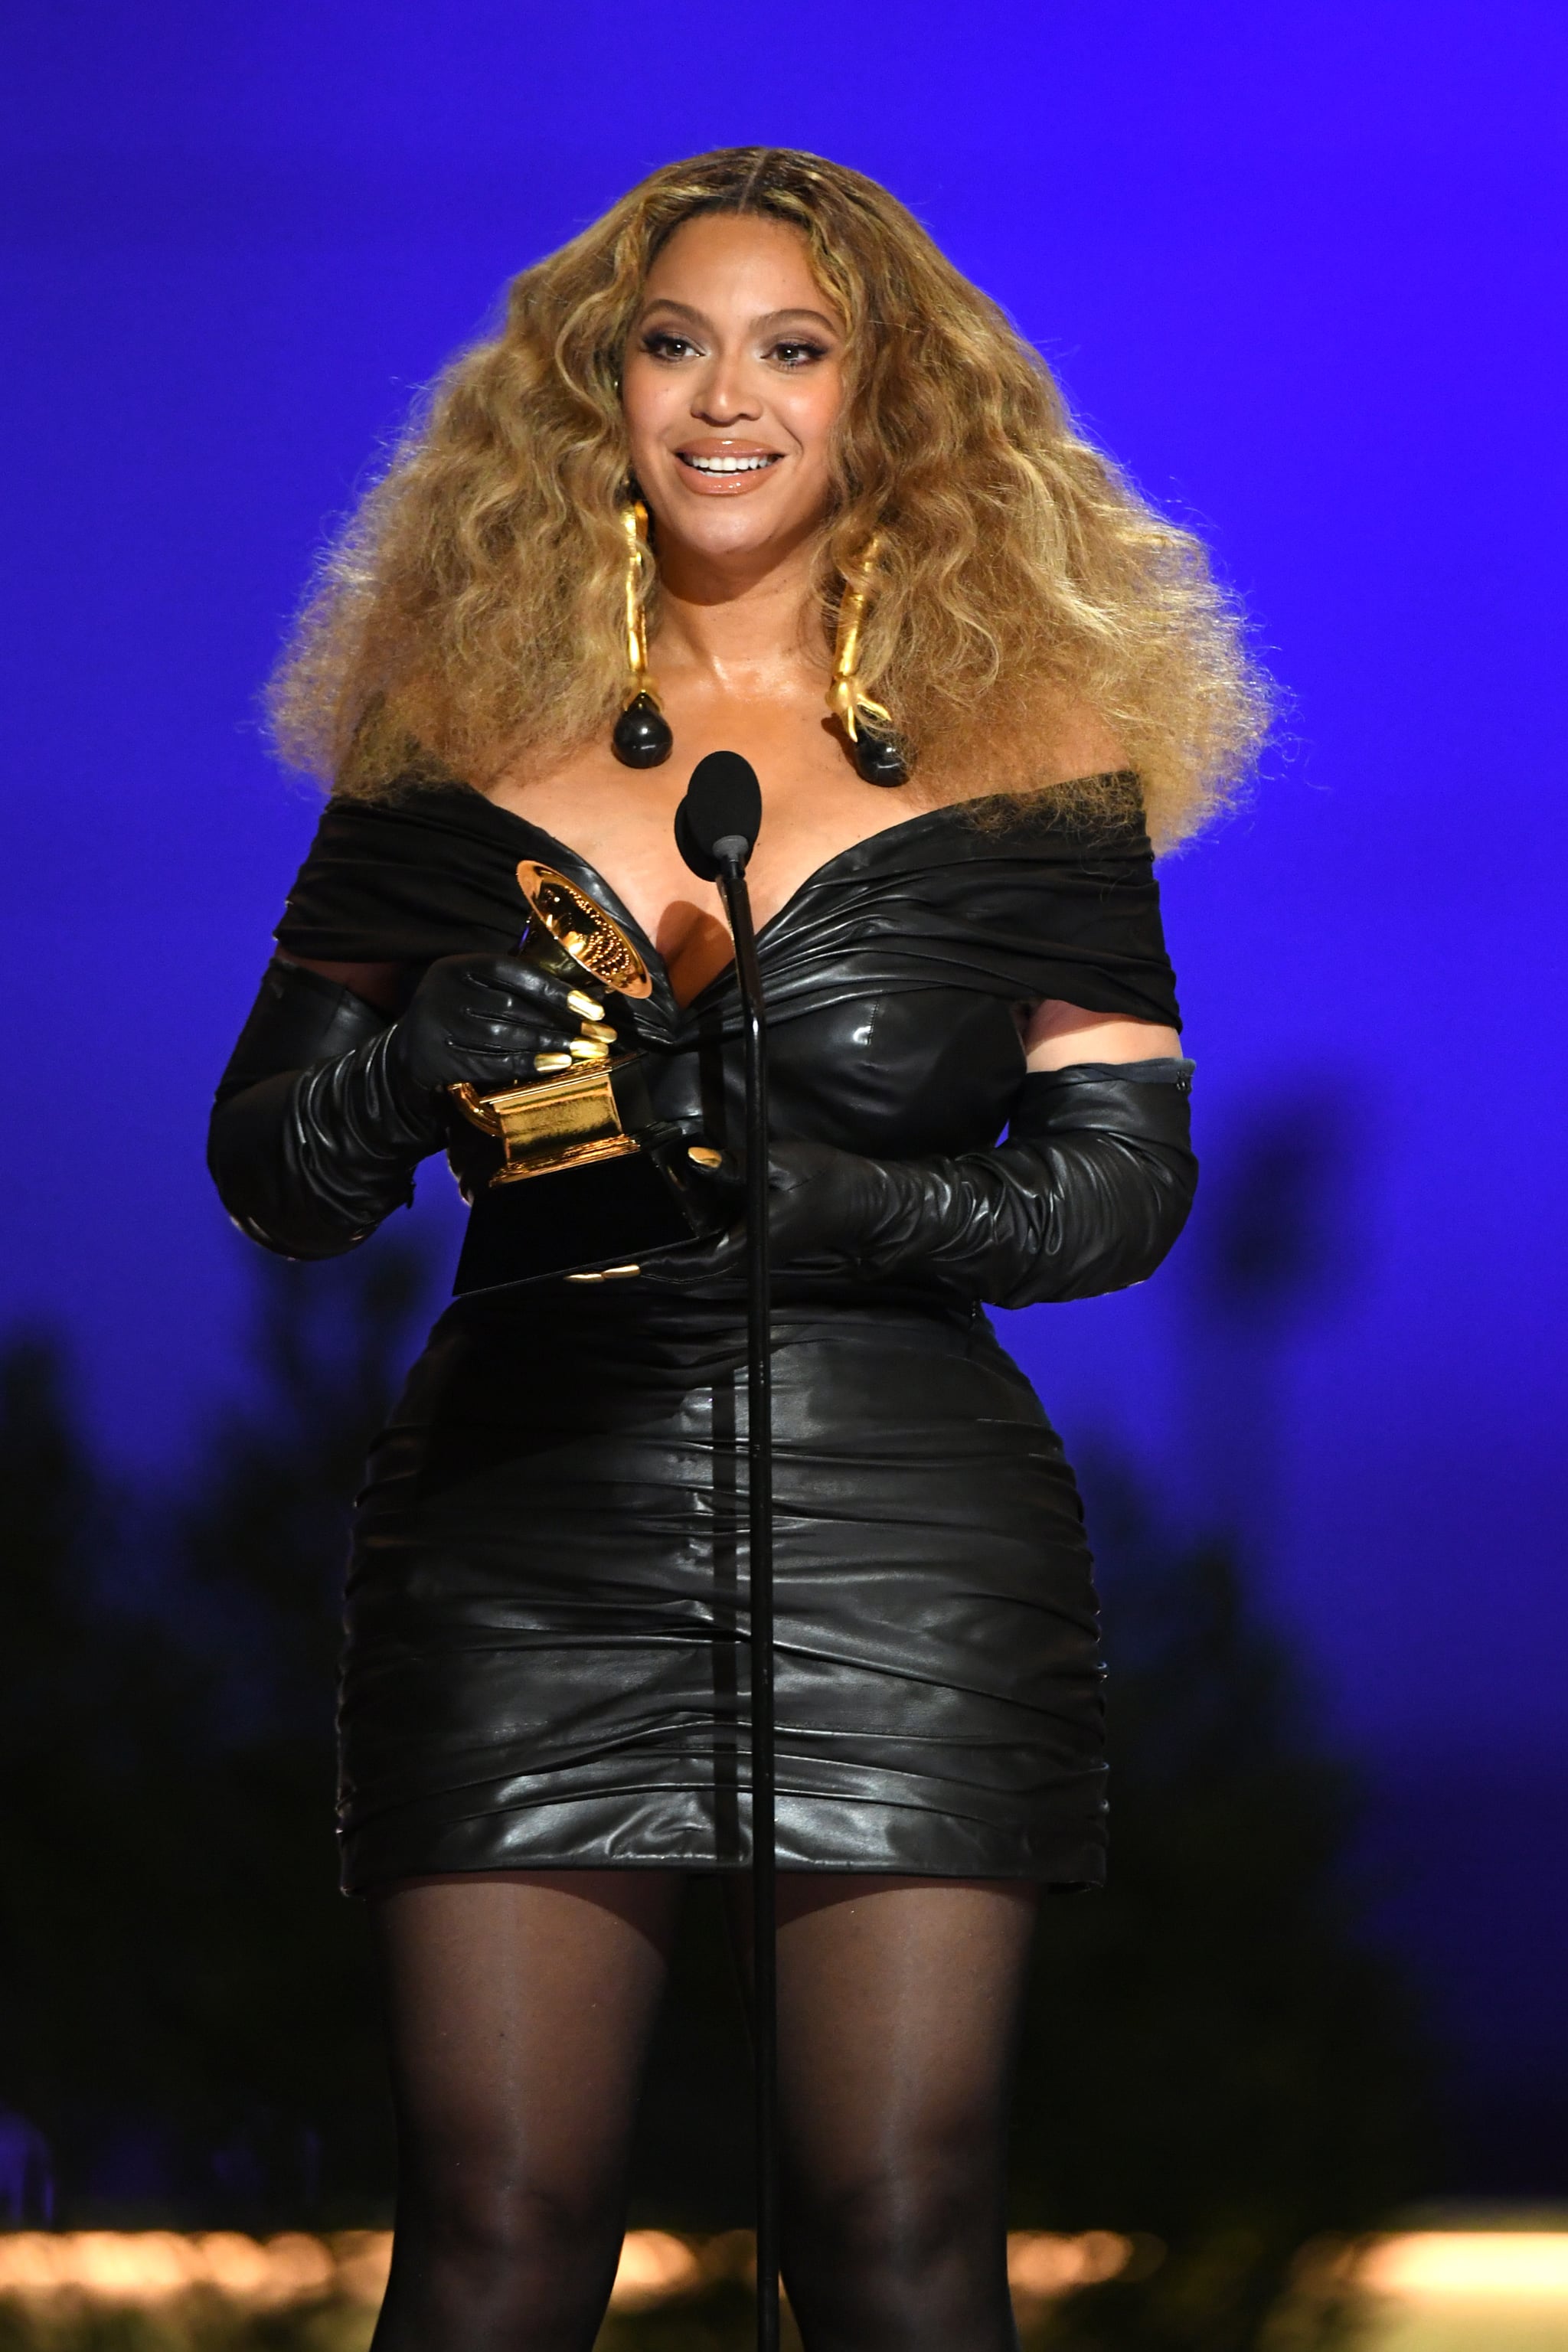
728, 465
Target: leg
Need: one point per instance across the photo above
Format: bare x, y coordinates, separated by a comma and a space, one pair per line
521, 2005
898, 2007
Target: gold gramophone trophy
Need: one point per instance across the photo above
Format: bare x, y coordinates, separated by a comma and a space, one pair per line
620, 1191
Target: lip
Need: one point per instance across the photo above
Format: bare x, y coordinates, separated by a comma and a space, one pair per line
724, 486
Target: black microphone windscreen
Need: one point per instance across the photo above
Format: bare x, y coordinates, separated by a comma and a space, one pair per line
723, 802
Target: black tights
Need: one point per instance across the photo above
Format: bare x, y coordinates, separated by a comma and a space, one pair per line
521, 2007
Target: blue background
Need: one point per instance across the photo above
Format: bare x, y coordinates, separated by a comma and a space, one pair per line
1300, 267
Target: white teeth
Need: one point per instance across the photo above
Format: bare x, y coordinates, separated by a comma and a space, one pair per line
729, 464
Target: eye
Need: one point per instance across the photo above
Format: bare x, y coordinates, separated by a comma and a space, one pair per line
795, 352
660, 345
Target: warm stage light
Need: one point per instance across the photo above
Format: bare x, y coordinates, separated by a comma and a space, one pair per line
156, 2265
1434, 2265
152, 2266
1040, 2265
652, 2265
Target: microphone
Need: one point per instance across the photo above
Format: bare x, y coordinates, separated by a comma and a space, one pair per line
716, 828
717, 825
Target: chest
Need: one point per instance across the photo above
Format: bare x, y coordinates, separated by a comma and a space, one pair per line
622, 820
895, 1073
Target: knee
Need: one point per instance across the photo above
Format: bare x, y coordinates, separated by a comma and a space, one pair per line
508, 2226
896, 2225
935, 2208
498, 2266
896, 2258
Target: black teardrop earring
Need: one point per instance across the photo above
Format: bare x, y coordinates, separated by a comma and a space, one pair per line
641, 738
878, 755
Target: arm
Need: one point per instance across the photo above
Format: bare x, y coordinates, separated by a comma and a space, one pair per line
1056, 1035
328, 1105
279, 1148
1086, 1194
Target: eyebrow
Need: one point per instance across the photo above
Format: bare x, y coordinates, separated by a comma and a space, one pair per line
767, 319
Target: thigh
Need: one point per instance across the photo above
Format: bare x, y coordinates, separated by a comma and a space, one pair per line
520, 2007
899, 2002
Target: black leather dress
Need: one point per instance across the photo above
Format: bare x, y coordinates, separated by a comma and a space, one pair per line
546, 1639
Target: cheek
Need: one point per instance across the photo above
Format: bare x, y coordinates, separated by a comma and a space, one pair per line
812, 414
645, 402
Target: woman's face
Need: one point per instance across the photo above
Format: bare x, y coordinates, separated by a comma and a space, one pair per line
732, 379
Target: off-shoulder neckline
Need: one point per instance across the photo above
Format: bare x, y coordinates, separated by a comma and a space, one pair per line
902, 829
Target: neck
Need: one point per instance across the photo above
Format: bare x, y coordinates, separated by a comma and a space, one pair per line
735, 621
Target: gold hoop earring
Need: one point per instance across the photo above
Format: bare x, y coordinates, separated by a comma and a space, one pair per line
878, 755
641, 738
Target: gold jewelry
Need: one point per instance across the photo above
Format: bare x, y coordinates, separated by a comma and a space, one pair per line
869, 725
641, 738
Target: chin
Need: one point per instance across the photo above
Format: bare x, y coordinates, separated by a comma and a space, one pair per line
720, 526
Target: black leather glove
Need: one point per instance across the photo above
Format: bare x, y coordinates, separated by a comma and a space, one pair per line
326, 1108
483, 1020
1088, 1194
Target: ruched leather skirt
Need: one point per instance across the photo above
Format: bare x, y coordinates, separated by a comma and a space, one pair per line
547, 1657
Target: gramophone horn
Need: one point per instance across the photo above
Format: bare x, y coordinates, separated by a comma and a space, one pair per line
585, 936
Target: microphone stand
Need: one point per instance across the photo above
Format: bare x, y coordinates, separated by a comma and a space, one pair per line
731, 855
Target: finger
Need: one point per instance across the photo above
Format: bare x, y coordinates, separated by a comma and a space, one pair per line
714, 1179
706, 1262
495, 1073
544, 990
515, 1041
571, 1053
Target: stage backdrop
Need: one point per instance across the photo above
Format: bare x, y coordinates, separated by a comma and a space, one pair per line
1300, 267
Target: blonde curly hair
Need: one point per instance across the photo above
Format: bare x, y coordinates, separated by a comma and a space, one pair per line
471, 614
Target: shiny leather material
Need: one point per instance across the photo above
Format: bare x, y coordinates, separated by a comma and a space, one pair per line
546, 1660
326, 1108
475, 1020
1088, 1194
292, 1167
546, 1610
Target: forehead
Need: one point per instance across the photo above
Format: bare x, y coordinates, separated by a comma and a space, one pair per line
744, 261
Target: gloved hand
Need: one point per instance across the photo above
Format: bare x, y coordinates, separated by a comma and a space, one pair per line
326, 1108
491, 1021
824, 1204
1088, 1194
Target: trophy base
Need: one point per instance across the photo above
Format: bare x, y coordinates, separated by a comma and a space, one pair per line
585, 1219
585, 1114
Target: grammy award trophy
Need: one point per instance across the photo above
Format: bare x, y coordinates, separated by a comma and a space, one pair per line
571, 1172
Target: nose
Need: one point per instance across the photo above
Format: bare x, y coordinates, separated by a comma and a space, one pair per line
724, 396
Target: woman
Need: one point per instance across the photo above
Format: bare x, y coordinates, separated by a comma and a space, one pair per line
542, 1719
